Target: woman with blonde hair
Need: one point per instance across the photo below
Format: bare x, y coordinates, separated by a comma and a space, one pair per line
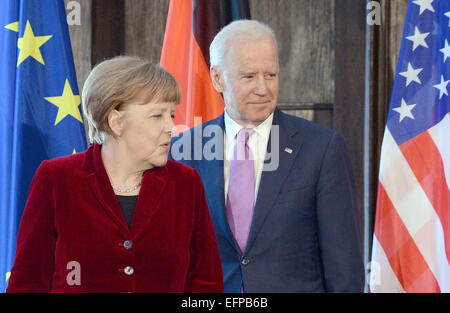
119, 217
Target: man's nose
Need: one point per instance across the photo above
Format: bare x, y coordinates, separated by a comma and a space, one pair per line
261, 86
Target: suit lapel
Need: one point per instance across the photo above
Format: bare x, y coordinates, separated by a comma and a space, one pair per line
213, 179
272, 180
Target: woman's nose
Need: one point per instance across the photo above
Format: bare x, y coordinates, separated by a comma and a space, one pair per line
170, 126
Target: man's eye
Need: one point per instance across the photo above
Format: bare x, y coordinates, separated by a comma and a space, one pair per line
157, 116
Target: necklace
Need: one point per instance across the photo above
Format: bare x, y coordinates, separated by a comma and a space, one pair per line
127, 190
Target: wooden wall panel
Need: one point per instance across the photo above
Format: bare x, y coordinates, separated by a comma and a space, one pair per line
397, 14
145, 22
108, 31
323, 117
80, 37
385, 47
305, 33
350, 21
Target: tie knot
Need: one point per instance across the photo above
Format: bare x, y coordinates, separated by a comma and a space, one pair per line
244, 134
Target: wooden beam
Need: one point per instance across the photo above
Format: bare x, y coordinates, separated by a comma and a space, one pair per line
350, 32
108, 29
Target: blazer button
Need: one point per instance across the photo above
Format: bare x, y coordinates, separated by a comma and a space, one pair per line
245, 261
128, 244
128, 270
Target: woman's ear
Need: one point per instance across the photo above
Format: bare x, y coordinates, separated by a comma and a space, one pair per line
115, 122
217, 80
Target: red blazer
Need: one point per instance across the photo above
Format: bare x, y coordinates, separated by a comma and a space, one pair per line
72, 214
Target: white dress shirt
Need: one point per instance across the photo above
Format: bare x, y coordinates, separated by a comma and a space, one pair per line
257, 144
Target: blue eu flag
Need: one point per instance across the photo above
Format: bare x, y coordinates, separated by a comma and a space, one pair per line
40, 107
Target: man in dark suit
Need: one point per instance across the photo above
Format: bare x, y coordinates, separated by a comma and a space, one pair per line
280, 189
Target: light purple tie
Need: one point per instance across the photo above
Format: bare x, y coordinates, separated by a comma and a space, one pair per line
241, 189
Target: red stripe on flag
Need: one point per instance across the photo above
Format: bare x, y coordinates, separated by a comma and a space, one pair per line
402, 252
206, 101
183, 58
425, 161
175, 52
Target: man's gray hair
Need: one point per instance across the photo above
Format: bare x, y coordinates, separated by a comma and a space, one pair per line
237, 31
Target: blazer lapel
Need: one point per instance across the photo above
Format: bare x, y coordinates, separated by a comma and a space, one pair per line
272, 180
153, 184
148, 203
101, 187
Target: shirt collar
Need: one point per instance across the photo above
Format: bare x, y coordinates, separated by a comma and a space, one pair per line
232, 128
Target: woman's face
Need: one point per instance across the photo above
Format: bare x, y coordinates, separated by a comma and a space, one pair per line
147, 131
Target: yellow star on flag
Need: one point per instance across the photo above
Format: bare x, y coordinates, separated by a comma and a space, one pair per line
29, 45
13, 26
67, 104
8, 274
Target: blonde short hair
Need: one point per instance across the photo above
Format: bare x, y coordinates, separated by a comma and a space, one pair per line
119, 81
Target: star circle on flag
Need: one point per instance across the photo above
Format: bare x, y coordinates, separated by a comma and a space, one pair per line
405, 110
411, 74
424, 5
442, 86
418, 39
446, 50
67, 104
30, 44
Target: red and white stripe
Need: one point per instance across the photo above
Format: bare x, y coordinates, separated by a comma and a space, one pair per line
412, 225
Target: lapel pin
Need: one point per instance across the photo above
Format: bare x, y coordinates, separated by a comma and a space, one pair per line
288, 150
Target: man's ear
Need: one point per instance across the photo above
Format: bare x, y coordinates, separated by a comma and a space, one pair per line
115, 122
217, 79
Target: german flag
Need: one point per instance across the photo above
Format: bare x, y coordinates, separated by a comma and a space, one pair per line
190, 28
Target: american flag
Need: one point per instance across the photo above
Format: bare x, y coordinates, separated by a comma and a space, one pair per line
411, 243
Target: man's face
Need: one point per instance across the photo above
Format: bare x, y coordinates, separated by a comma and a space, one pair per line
249, 80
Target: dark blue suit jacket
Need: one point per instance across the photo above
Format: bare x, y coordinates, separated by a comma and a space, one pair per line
306, 233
